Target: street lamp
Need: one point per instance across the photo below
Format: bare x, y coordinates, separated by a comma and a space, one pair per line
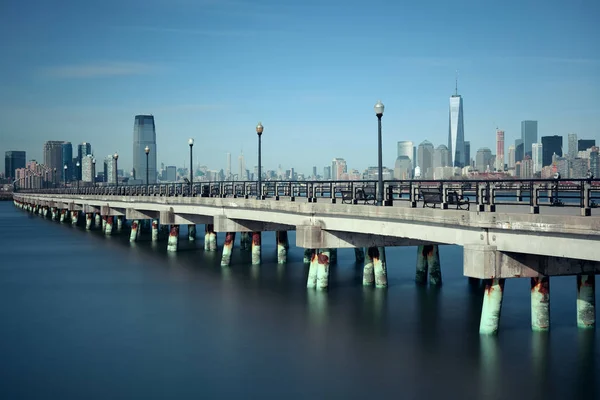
379, 113
94, 171
191, 143
78, 174
65, 175
116, 157
147, 150
259, 131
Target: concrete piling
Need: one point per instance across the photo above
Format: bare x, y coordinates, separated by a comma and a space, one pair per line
104, 223
227, 248
368, 270
88, 221
74, 217
192, 232
540, 303
155, 230
308, 254
282, 246
210, 238
63, 215
109, 226
97, 221
586, 301
173, 242
492, 306
256, 236
428, 259
323, 260
311, 282
119, 224
133, 235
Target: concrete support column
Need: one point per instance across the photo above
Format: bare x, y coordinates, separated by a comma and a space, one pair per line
227, 248
359, 254
173, 242
210, 238
119, 223
308, 254
109, 226
88, 221
133, 235
586, 301
333, 256
492, 305
311, 282
104, 223
256, 248
45, 214
323, 260
97, 221
428, 258
155, 230
74, 217
368, 270
63, 215
192, 232
374, 268
540, 303
282, 246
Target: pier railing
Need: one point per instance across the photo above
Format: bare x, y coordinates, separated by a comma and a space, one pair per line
485, 195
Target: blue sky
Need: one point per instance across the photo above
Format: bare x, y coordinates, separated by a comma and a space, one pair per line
311, 71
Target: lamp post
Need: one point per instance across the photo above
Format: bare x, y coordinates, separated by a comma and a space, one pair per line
65, 176
116, 157
147, 150
191, 143
259, 131
94, 171
379, 113
78, 174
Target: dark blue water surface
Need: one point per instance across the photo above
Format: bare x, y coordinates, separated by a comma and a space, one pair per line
83, 316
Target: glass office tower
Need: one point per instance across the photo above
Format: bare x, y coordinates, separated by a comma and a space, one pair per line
144, 134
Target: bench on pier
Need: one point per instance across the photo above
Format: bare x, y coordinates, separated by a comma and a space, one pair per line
434, 196
366, 195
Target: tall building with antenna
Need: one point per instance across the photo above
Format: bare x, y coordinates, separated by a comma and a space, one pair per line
456, 134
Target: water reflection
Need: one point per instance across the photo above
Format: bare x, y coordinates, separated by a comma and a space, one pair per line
540, 362
586, 383
489, 367
427, 300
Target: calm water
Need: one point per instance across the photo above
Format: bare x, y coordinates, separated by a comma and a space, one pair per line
83, 316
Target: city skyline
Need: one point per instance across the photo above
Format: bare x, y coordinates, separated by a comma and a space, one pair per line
307, 83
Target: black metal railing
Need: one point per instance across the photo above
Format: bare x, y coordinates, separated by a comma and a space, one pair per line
484, 194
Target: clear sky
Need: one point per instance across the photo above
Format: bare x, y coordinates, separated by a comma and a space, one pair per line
310, 70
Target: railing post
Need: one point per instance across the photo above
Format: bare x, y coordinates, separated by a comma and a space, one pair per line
534, 207
519, 192
332, 192
389, 201
413, 193
491, 189
292, 197
444, 191
586, 211
480, 196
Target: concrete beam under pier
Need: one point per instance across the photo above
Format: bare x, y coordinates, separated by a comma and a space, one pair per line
223, 224
74, 207
88, 209
486, 262
171, 218
111, 211
315, 237
131, 213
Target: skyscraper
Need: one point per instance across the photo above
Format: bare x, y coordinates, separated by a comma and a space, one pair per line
572, 143
144, 134
87, 168
467, 153
519, 150
584, 144
242, 176
456, 134
53, 157
537, 157
67, 159
483, 159
13, 160
110, 170
551, 145
405, 148
529, 136
228, 171
441, 156
511, 156
425, 156
338, 167
499, 150
83, 149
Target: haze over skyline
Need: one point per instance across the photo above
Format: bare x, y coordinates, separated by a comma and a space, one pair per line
310, 72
